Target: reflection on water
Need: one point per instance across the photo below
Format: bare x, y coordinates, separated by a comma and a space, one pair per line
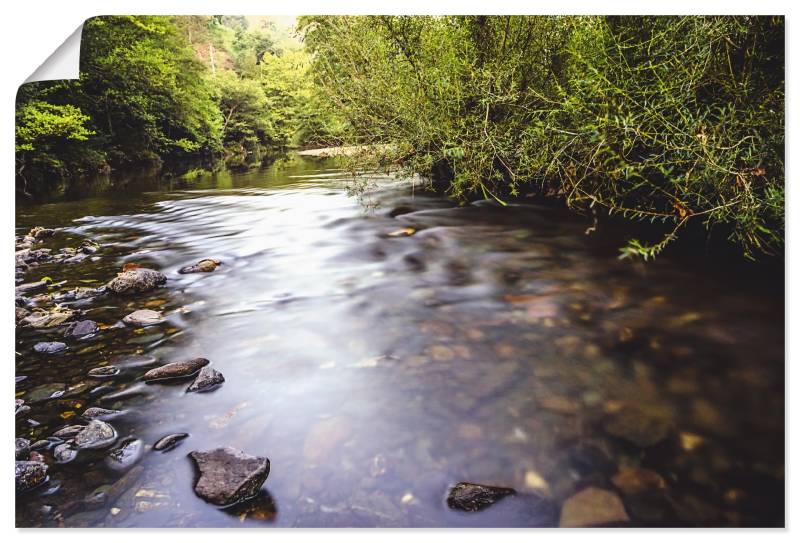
499, 346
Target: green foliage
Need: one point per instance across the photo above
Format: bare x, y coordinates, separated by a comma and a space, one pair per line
663, 119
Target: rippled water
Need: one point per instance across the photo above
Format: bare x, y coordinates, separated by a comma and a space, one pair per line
495, 345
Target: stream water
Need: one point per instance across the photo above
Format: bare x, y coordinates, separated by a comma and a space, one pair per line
376, 369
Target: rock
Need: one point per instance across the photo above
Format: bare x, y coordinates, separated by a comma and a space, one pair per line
403, 232
176, 370
559, 404
81, 329
126, 455
592, 507
29, 287
48, 319
96, 435
208, 379
143, 317
88, 247
79, 293
69, 431
40, 233
690, 441
637, 428
20, 407
103, 372
64, 452
228, 476
50, 347
100, 413
638, 480
169, 442
29, 474
204, 266
473, 497
22, 448
136, 280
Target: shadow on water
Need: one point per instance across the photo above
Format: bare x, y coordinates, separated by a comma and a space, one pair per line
376, 369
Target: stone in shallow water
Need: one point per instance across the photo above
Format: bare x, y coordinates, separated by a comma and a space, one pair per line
207, 380
637, 480
69, 431
50, 347
143, 317
81, 329
473, 497
103, 372
637, 427
204, 266
22, 448
175, 370
228, 476
29, 474
96, 435
100, 413
168, 442
592, 507
136, 280
126, 455
64, 452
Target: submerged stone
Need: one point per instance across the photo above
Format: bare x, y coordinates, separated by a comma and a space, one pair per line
29, 474
69, 431
50, 347
593, 507
143, 317
22, 448
64, 452
208, 379
474, 497
204, 266
228, 476
136, 280
103, 372
176, 370
100, 413
637, 427
638, 480
126, 455
81, 329
169, 442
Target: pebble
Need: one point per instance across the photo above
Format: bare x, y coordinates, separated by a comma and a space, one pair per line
593, 507
143, 317
126, 455
207, 380
50, 347
136, 280
638, 480
169, 442
474, 497
100, 413
22, 448
81, 329
175, 370
103, 372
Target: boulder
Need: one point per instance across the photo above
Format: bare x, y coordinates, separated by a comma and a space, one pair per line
136, 280
176, 370
228, 476
143, 317
29, 474
96, 435
474, 497
208, 379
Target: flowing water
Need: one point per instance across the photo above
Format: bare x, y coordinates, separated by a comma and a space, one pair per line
495, 345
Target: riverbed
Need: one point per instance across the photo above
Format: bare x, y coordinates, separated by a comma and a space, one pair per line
380, 348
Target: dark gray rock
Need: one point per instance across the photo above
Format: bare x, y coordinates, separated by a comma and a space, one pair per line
50, 347
65, 452
81, 329
22, 448
176, 370
100, 413
228, 476
103, 372
207, 380
96, 435
136, 280
473, 497
69, 431
169, 442
29, 474
126, 455
41, 444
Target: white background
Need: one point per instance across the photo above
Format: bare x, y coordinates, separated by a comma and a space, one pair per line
32, 30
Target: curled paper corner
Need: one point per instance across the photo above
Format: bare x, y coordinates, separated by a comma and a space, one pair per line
64, 63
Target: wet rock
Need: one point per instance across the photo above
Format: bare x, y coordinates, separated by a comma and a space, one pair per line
638, 480
39, 233
143, 317
204, 266
228, 476
22, 448
29, 287
96, 435
100, 413
48, 319
29, 474
69, 431
169, 442
103, 372
88, 247
136, 280
559, 404
589, 458
637, 427
126, 455
50, 347
81, 329
593, 507
207, 380
20, 313
20, 407
78, 294
473, 497
64, 452
176, 370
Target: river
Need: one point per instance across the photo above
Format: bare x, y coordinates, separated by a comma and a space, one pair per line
375, 369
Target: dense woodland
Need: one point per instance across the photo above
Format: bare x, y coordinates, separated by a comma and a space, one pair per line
673, 120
